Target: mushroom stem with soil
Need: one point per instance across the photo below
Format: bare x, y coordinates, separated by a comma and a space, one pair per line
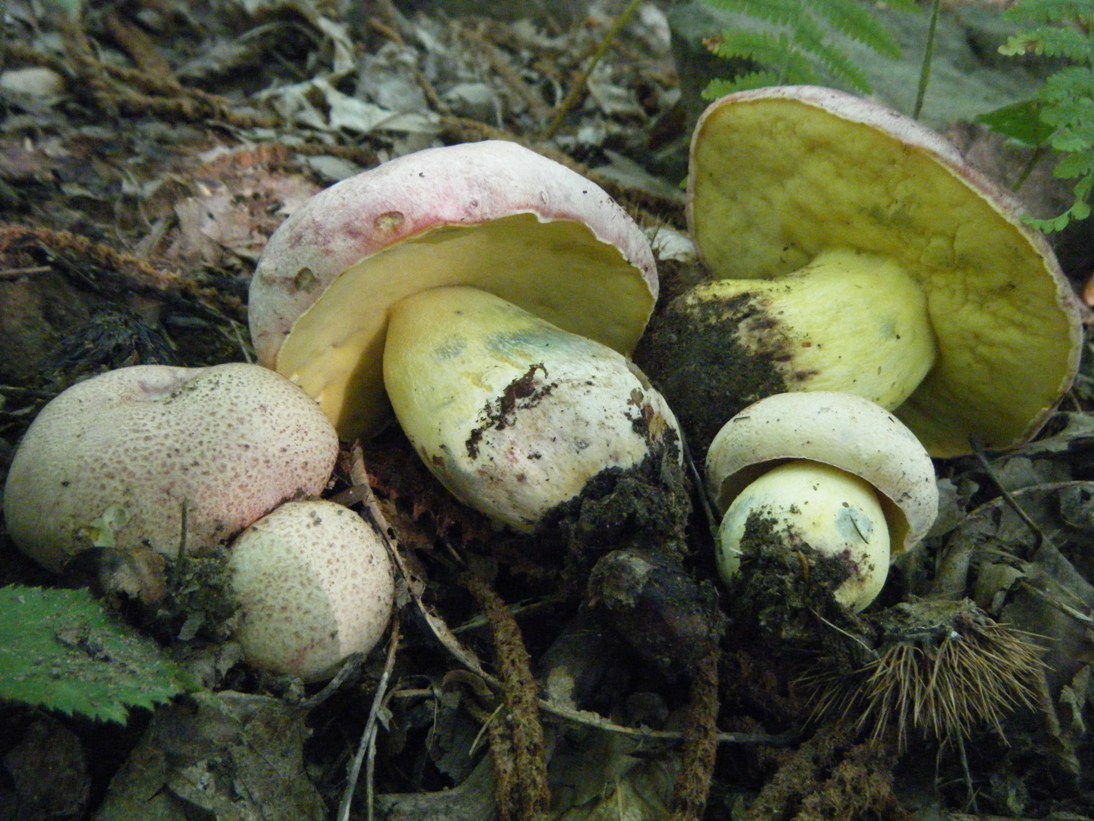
513, 414
855, 250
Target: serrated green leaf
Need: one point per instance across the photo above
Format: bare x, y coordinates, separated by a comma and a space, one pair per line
743, 82
804, 47
61, 649
1075, 165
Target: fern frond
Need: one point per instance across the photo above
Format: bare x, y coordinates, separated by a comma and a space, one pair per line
1045, 12
1063, 111
834, 60
1051, 41
742, 82
758, 46
776, 12
856, 22
799, 41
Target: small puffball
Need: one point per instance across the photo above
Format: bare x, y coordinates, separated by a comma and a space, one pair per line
124, 459
315, 585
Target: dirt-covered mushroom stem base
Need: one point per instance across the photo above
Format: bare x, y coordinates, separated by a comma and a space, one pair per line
818, 508
622, 545
848, 321
783, 585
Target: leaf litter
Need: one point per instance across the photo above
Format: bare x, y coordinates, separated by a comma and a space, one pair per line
148, 150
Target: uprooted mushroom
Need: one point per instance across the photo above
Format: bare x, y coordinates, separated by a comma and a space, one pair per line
853, 249
491, 295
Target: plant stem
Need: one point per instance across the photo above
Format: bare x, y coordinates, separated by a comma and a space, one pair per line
571, 98
928, 54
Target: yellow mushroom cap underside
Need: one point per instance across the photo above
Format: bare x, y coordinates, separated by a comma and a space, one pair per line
780, 175
492, 215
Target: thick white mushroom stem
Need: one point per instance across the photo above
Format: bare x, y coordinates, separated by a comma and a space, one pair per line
511, 413
848, 321
819, 506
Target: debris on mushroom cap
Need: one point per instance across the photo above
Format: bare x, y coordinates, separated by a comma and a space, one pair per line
315, 584
492, 214
814, 506
779, 176
837, 429
511, 413
125, 458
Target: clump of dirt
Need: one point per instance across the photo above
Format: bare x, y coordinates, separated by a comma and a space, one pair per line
783, 583
693, 355
624, 539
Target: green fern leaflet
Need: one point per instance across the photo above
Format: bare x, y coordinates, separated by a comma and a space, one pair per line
60, 649
1061, 117
796, 42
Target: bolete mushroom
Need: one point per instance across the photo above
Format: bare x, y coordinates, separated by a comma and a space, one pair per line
159, 457
314, 584
823, 471
855, 250
514, 288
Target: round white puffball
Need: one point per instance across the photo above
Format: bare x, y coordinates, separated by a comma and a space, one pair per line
813, 504
315, 585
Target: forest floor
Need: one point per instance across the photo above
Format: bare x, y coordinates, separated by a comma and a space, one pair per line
148, 149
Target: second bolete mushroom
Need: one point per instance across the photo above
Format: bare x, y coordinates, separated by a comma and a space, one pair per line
829, 472
855, 250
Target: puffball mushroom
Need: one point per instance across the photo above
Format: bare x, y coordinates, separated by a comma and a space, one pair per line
830, 471
127, 458
513, 286
855, 250
315, 585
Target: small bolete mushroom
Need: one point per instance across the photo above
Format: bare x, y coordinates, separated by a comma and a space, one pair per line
315, 584
125, 459
828, 471
494, 293
855, 250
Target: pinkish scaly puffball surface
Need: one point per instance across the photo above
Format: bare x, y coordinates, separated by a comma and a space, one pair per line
114, 460
315, 585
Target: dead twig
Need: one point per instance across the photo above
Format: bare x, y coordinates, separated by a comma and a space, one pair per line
520, 761
577, 89
700, 743
367, 744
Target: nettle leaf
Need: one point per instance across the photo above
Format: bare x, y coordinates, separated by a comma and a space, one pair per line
62, 650
798, 42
